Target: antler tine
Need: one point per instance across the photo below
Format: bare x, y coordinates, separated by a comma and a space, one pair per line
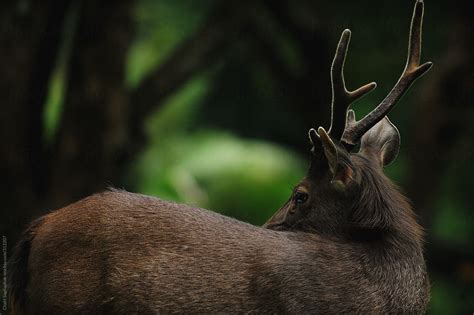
341, 97
413, 70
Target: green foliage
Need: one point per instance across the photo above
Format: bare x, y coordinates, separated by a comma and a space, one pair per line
58, 82
52, 112
161, 25
453, 217
246, 179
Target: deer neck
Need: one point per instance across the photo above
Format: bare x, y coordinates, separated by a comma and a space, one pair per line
392, 256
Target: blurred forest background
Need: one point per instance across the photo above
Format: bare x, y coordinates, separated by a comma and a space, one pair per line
209, 103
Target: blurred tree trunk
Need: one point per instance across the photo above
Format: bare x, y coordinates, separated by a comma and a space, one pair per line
30, 34
92, 138
90, 141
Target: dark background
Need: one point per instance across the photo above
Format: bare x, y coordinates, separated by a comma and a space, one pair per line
209, 103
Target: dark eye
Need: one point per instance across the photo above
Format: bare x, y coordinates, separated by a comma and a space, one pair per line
300, 197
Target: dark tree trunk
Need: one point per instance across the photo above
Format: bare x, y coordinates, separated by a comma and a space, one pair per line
30, 34
92, 139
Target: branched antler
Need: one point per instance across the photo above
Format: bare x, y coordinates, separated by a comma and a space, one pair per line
341, 97
413, 70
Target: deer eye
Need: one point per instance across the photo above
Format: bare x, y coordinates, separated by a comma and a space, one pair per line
300, 197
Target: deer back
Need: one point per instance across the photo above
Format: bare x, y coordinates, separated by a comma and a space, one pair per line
120, 252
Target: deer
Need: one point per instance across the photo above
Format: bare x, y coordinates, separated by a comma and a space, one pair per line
346, 241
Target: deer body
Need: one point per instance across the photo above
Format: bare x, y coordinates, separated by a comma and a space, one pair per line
120, 252
346, 241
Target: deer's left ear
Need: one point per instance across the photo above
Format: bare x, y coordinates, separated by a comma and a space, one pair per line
383, 141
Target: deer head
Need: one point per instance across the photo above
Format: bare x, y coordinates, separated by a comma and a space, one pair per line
341, 182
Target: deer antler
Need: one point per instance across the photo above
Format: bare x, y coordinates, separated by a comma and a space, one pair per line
341, 97
413, 70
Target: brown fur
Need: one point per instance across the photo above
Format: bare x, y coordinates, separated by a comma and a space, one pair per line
123, 253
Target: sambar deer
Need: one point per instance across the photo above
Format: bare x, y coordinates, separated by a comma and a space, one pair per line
345, 242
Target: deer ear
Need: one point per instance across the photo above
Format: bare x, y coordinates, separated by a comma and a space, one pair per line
383, 140
338, 163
